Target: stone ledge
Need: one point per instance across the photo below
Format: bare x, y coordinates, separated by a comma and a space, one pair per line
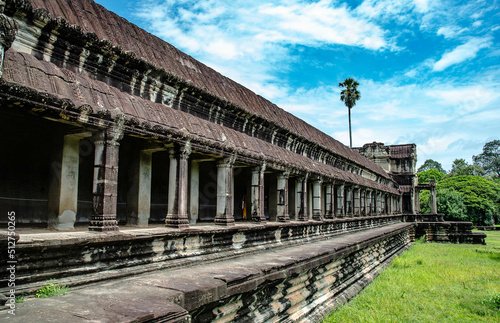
167, 295
83, 257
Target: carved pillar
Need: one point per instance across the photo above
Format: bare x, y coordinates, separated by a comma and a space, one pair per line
417, 201
340, 201
283, 197
63, 191
224, 214
257, 205
105, 188
369, 208
317, 198
329, 203
362, 202
177, 216
195, 192
302, 196
139, 195
356, 192
377, 202
433, 197
293, 205
348, 201
8, 31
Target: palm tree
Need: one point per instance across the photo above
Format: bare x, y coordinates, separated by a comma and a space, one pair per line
349, 96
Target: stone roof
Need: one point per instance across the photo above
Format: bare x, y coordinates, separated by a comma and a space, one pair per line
402, 151
25, 69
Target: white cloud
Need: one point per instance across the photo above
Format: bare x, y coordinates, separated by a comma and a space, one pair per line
422, 5
321, 23
451, 31
478, 23
250, 43
465, 99
462, 53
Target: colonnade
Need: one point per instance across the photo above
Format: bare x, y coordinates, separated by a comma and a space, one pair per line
291, 194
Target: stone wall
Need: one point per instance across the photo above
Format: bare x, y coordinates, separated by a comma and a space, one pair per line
299, 282
83, 257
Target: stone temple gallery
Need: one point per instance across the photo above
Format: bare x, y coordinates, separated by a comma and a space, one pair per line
162, 191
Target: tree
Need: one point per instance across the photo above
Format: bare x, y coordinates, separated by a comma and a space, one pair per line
349, 96
431, 164
449, 202
461, 167
489, 159
425, 176
481, 197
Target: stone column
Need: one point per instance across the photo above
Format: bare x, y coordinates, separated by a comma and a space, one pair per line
177, 216
369, 206
377, 202
433, 197
105, 188
348, 198
257, 204
340, 201
417, 201
317, 198
362, 200
194, 198
302, 196
63, 190
293, 205
224, 214
329, 203
357, 200
139, 195
283, 197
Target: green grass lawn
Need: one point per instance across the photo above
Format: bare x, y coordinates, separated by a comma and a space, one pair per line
433, 282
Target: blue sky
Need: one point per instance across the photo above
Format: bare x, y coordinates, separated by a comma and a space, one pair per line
429, 71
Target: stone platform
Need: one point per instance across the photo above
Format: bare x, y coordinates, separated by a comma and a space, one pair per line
278, 272
436, 229
75, 258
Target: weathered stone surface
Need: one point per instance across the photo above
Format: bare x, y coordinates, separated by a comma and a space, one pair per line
294, 283
81, 257
452, 232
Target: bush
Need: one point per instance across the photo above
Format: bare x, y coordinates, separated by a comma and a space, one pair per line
449, 202
51, 289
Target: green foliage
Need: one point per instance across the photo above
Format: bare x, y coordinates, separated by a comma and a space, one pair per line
51, 289
20, 298
489, 159
460, 167
481, 197
431, 282
350, 94
494, 300
431, 164
425, 176
449, 202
